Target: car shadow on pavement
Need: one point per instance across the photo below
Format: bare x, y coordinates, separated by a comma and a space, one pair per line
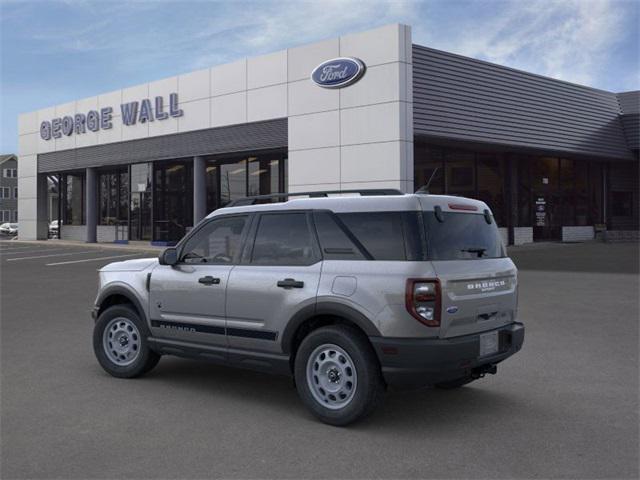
276, 394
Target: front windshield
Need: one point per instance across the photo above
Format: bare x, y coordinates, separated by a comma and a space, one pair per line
462, 236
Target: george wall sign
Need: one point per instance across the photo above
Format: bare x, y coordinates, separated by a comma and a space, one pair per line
339, 72
94, 120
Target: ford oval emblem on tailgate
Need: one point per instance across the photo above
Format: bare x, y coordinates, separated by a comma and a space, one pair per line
338, 73
452, 309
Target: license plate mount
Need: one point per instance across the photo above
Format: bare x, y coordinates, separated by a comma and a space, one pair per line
489, 344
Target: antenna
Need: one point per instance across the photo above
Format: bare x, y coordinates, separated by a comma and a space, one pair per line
425, 188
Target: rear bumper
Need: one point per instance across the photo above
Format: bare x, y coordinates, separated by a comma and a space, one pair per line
412, 363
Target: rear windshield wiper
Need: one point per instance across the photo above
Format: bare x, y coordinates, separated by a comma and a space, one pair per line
479, 251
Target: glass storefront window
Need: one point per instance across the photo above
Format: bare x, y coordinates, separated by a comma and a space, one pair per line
596, 189
140, 202
113, 198
233, 178
567, 191
172, 199
428, 165
524, 193
490, 171
464, 173
73, 199
123, 196
460, 174
581, 172
548, 192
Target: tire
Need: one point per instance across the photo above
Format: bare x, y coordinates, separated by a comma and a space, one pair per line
123, 351
453, 384
348, 359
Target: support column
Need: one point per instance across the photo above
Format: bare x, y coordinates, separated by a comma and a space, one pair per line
199, 189
512, 197
91, 210
42, 215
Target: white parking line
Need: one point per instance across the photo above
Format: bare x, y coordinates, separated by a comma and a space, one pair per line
20, 249
93, 259
34, 250
52, 255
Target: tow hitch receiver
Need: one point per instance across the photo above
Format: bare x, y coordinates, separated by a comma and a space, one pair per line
483, 370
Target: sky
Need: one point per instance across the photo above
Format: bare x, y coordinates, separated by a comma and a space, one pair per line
55, 51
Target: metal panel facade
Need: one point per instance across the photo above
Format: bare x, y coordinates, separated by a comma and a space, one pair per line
236, 138
465, 99
630, 107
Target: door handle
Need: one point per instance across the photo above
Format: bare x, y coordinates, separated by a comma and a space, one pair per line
209, 280
290, 283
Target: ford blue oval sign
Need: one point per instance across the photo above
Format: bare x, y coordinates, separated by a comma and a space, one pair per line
338, 73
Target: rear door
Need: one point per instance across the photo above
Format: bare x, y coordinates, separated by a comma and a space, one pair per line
478, 282
278, 276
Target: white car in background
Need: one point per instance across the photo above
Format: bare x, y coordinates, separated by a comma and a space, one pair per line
9, 228
54, 229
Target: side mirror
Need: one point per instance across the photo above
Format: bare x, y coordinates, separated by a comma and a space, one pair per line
168, 257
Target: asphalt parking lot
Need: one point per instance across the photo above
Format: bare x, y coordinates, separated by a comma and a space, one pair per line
565, 407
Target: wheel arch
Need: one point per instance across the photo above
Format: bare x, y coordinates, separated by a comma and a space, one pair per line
319, 315
118, 295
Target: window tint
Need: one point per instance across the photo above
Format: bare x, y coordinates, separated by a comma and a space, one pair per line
283, 239
334, 241
462, 236
381, 234
217, 242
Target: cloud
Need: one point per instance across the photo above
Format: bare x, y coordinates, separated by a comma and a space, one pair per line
569, 40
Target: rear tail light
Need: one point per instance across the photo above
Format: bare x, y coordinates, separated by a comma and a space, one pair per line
423, 300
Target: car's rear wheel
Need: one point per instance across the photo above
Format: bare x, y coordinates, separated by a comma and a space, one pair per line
120, 343
337, 375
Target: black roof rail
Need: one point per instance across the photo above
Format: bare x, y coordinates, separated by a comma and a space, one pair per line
283, 197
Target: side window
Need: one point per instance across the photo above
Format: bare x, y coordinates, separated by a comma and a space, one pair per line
283, 239
334, 241
216, 243
381, 233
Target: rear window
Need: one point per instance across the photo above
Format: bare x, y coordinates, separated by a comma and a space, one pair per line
385, 235
462, 236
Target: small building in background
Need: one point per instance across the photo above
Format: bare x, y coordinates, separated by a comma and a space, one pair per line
8, 188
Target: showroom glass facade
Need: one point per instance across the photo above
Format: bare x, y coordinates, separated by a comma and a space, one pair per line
73, 200
538, 191
154, 201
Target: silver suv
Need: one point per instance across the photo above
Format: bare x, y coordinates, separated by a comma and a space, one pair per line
347, 293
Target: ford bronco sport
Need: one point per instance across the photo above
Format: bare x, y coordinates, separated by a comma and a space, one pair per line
347, 294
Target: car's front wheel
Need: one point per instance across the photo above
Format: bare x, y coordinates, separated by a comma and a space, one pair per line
337, 375
120, 343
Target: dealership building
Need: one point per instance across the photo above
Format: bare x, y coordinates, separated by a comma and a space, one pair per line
553, 160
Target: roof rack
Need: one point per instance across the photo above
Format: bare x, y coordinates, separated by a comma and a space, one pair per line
283, 197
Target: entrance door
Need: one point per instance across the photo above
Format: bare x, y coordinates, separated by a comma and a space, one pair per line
546, 199
140, 219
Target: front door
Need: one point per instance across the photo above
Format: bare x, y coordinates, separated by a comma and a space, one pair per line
546, 199
187, 300
279, 276
140, 216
